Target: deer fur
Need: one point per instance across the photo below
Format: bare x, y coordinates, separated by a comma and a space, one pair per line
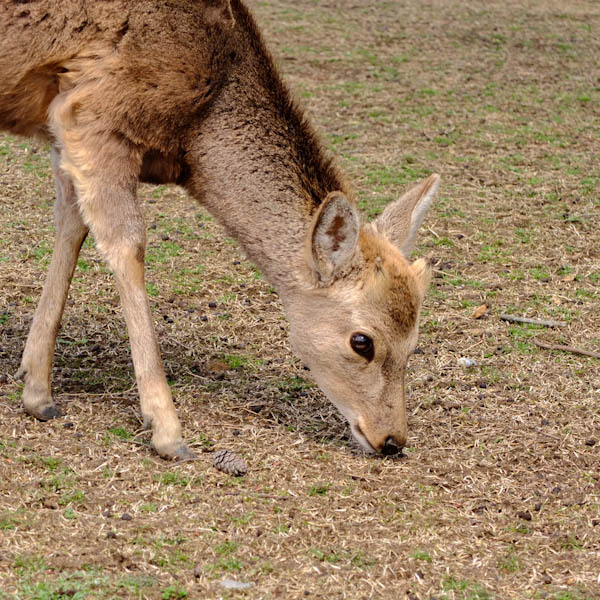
184, 92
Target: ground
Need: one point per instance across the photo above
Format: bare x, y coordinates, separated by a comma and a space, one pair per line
497, 494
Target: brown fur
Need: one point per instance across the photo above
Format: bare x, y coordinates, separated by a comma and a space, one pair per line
185, 92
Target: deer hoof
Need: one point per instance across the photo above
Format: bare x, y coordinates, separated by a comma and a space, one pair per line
178, 451
183, 453
45, 412
50, 412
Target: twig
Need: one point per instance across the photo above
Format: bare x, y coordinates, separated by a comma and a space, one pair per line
516, 319
256, 496
571, 349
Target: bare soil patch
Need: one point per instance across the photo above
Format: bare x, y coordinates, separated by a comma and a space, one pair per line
497, 495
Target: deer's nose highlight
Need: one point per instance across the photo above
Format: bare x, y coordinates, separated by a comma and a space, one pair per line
390, 447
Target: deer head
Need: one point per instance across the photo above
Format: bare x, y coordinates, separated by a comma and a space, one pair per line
355, 321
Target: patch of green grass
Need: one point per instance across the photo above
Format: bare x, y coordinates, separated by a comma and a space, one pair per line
443, 241
80, 585
164, 252
586, 295
226, 561
6, 152
48, 462
294, 384
466, 589
493, 252
572, 595
339, 139
189, 280
151, 289
204, 440
37, 164
226, 548
60, 481
319, 489
174, 559
159, 191
523, 235
174, 592
243, 520
120, 433
422, 555
282, 529
540, 273
571, 542
520, 528
267, 567
171, 478
169, 541
360, 560
69, 514
325, 555
42, 253
510, 562
83, 265
241, 361
379, 177
8, 520
29, 564
73, 497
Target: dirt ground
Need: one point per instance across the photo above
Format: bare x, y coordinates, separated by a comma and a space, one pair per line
498, 492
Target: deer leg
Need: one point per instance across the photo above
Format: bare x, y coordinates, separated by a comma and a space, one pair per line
105, 171
36, 363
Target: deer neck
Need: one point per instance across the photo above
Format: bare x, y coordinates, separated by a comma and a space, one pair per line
258, 167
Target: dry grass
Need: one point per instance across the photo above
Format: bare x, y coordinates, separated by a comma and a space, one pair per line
498, 495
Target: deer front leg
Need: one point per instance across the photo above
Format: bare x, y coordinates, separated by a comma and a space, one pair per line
105, 169
36, 363
125, 257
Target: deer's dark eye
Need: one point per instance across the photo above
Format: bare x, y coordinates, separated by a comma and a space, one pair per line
362, 344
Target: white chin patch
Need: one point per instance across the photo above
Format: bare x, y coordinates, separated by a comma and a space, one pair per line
362, 440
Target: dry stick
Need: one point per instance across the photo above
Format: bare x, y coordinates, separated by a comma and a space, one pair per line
516, 319
256, 495
571, 349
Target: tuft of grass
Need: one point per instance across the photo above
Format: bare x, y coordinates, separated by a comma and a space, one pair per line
319, 489
172, 478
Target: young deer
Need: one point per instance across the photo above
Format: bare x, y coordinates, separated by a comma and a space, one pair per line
185, 92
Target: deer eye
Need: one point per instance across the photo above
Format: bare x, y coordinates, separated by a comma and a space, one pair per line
362, 344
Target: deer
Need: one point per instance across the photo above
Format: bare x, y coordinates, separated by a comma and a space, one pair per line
186, 92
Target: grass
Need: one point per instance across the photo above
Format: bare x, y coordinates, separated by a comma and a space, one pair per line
500, 98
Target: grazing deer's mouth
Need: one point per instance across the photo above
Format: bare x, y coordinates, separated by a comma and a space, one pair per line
361, 438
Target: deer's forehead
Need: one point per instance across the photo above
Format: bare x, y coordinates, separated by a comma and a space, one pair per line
397, 302
389, 285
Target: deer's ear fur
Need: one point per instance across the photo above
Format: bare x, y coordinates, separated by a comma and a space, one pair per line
333, 237
400, 221
421, 269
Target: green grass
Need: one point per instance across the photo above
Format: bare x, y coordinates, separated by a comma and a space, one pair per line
120, 433
226, 561
172, 478
465, 589
9, 520
319, 489
90, 582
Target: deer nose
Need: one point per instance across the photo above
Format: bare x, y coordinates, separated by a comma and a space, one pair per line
390, 447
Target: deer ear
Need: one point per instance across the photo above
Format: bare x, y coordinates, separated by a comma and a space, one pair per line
400, 221
333, 236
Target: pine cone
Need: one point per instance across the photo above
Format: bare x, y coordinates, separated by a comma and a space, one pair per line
229, 462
